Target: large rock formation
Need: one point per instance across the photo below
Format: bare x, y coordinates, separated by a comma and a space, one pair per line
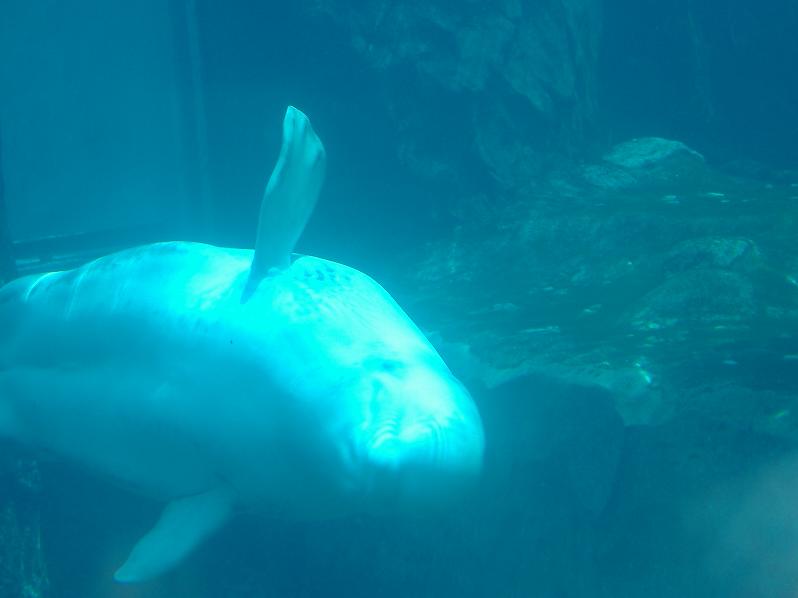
507, 85
673, 286
647, 272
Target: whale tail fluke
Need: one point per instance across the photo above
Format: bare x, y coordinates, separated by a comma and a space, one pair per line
289, 199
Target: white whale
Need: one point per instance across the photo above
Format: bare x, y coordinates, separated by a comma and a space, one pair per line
222, 380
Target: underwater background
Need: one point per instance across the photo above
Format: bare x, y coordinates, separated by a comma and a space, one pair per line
590, 206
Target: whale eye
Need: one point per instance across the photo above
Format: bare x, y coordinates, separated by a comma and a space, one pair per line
383, 365
389, 365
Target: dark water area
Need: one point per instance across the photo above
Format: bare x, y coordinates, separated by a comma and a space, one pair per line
589, 207
718, 76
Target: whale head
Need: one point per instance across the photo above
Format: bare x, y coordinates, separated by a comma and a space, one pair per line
420, 441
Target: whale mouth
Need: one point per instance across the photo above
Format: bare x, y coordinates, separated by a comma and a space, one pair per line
419, 436
423, 462
393, 439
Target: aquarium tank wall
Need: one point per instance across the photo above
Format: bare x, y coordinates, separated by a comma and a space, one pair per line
588, 207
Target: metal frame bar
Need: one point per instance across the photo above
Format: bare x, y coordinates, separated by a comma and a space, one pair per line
198, 212
8, 268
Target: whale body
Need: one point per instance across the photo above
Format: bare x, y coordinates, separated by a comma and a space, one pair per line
220, 380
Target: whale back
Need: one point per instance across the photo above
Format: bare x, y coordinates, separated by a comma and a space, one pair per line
106, 304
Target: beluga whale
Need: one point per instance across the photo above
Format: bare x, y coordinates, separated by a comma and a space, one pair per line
225, 380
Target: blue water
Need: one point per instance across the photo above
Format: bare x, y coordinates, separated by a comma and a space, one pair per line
632, 346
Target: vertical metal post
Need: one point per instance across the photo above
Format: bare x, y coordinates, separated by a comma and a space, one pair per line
7, 263
185, 27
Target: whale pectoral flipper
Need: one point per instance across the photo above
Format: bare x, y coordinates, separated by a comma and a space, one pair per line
290, 197
183, 525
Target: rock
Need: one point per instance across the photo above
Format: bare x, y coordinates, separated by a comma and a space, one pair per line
499, 88
620, 289
704, 298
649, 162
702, 507
23, 571
707, 284
739, 254
651, 153
550, 471
637, 392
